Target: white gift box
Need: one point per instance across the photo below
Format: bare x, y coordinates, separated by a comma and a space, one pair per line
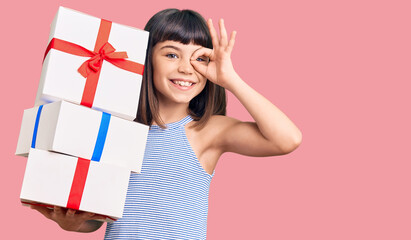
118, 90
53, 179
83, 132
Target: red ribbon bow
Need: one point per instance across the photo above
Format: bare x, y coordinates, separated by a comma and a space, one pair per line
106, 52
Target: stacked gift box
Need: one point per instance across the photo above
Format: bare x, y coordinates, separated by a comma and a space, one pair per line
80, 138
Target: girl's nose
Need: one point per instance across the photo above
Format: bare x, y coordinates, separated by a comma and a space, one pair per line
185, 67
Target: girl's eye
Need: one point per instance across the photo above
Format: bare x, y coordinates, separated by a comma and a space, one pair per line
202, 59
171, 55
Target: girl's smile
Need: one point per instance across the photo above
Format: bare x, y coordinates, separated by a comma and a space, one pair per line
175, 79
183, 84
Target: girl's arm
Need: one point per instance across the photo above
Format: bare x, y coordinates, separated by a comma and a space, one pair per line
273, 133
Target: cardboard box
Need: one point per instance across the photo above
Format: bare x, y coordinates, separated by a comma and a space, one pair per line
83, 132
117, 90
55, 179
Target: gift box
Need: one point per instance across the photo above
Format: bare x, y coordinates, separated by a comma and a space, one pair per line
53, 179
83, 132
93, 62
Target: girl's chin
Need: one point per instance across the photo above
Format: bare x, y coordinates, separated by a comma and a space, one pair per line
178, 97
177, 100
183, 100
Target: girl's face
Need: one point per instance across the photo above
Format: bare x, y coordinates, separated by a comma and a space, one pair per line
175, 79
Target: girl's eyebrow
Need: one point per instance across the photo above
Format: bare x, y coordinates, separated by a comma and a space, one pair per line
171, 46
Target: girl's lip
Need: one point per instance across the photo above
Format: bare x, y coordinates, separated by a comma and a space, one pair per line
184, 88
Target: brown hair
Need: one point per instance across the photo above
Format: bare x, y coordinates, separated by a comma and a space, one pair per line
185, 26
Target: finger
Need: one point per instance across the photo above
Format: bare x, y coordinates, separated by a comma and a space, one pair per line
43, 210
206, 52
223, 33
98, 217
231, 42
213, 33
58, 210
70, 212
200, 67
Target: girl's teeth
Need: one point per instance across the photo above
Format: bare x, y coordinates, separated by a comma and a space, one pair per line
184, 84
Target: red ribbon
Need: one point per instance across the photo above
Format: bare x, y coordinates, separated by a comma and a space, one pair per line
90, 69
79, 181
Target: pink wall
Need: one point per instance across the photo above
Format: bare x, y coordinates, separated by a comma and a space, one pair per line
340, 71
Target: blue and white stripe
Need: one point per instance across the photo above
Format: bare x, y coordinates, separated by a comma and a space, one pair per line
169, 199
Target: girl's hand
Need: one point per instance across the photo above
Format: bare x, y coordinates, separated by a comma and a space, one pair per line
69, 219
219, 69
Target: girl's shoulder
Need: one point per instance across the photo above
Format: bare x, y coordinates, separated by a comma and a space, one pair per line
209, 142
221, 122
216, 126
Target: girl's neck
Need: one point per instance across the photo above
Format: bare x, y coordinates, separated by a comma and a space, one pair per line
170, 113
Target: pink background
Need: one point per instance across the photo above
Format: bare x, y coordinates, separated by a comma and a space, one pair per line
339, 69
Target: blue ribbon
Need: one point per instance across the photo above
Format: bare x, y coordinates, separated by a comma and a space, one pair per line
101, 137
36, 126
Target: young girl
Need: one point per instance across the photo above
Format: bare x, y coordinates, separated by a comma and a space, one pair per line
183, 99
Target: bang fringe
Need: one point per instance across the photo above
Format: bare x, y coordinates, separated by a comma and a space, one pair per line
185, 28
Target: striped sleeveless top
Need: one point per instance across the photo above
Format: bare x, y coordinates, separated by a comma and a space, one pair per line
169, 198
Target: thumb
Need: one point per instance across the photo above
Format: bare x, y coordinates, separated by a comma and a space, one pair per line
43, 210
